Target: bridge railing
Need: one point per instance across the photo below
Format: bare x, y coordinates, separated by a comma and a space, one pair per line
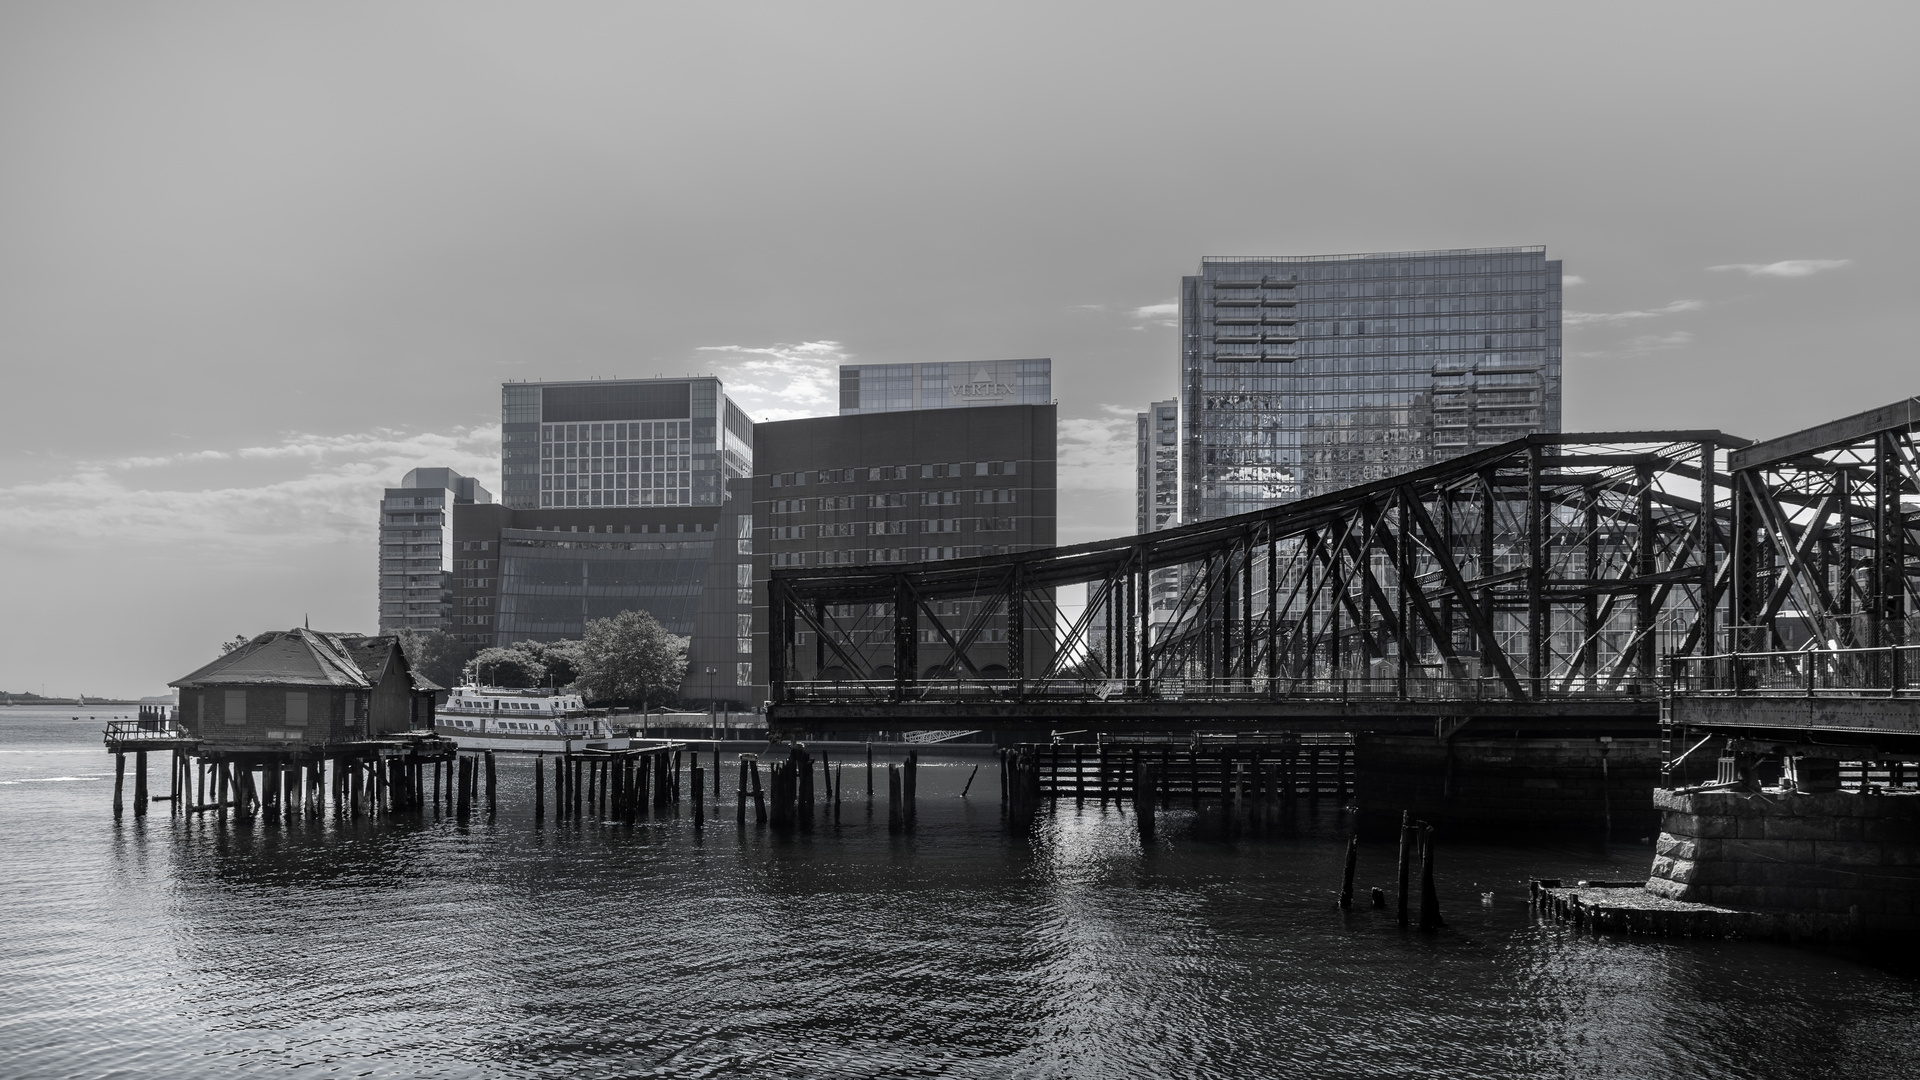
1260, 688
1865, 672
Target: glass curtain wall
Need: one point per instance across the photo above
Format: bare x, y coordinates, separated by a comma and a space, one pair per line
1304, 375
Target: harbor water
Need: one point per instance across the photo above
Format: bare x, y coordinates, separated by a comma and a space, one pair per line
416, 946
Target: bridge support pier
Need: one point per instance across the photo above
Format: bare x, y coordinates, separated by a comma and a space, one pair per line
1845, 859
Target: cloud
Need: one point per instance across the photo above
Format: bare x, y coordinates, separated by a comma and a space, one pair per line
251, 501
782, 382
1096, 453
1786, 268
1572, 279
1585, 318
1167, 314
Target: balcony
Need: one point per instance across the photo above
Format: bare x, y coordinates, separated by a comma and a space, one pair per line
1235, 339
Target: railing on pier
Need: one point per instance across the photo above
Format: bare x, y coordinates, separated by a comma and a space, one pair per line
1887, 671
1257, 765
147, 730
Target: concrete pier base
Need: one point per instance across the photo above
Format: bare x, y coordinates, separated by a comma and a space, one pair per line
1836, 853
1472, 783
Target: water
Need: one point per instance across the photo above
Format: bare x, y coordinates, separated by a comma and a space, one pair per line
424, 948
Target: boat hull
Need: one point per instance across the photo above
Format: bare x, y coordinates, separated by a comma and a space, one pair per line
530, 743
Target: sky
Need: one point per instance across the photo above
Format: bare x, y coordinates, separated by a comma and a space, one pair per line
258, 260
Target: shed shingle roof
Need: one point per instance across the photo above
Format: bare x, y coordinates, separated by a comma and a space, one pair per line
298, 657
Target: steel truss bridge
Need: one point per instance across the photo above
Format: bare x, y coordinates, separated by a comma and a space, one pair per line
1550, 578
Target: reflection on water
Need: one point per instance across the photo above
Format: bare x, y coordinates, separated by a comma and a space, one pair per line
419, 947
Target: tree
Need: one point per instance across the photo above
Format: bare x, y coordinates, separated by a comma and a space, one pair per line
562, 659
437, 655
515, 669
228, 646
631, 658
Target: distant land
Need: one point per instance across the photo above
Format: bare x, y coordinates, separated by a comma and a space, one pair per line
7, 698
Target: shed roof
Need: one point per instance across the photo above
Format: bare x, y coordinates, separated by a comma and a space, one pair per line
374, 652
297, 657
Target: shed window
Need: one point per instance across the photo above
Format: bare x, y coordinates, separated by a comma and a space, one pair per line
236, 710
297, 707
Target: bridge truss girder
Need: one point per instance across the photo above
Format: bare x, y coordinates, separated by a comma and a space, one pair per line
1549, 566
1824, 543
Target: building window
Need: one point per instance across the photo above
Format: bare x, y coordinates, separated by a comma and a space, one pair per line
236, 707
743, 674
297, 707
743, 646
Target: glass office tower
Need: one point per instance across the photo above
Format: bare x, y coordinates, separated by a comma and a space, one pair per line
1303, 375
870, 388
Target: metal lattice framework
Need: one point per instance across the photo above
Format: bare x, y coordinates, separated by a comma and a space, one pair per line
1824, 534
1552, 567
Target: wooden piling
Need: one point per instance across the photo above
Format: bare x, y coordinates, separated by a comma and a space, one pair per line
759, 796
1429, 899
893, 798
492, 804
139, 783
465, 805
1406, 860
869, 772
539, 788
119, 783
969, 784
740, 795
699, 796
910, 789
1346, 881
1143, 801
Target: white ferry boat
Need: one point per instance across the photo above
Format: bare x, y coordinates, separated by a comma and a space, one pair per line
497, 718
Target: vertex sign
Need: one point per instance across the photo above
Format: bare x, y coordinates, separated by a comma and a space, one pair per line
982, 389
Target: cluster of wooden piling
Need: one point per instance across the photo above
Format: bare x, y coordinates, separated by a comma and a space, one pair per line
366, 783
1020, 787
617, 785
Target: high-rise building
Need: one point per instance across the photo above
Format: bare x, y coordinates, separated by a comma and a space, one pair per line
416, 548
1156, 467
868, 388
620, 442
1302, 375
629, 494
1157, 493
904, 487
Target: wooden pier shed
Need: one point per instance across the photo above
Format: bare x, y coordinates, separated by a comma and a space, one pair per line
302, 686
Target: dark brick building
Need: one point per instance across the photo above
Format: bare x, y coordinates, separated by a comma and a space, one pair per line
894, 488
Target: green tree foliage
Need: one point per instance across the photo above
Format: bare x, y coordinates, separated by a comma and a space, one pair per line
437, 655
514, 668
631, 659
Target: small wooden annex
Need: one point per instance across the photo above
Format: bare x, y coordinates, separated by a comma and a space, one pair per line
286, 688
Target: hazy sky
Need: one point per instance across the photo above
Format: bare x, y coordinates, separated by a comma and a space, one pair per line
257, 260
